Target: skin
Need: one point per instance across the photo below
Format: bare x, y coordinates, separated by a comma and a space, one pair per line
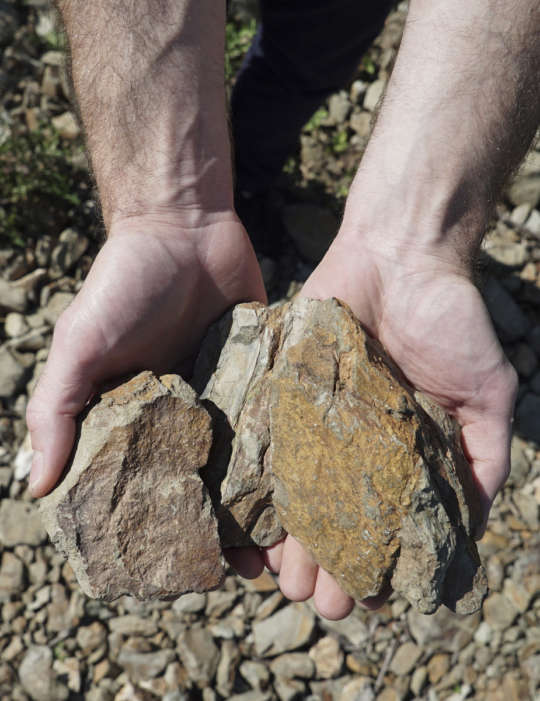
461, 109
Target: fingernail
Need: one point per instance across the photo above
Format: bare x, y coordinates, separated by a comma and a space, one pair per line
36, 472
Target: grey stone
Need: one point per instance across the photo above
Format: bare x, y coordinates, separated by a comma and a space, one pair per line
15, 325
144, 665
519, 463
130, 624
37, 676
499, 611
20, 524
506, 314
71, 245
405, 658
190, 603
199, 654
12, 373
255, 673
12, 577
12, 298
338, 107
525, 190
533, 223
288, 629
373, 94
293, 664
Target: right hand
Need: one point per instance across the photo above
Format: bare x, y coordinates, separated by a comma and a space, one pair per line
148, 299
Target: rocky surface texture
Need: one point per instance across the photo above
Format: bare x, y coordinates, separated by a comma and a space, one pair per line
325, 439
245, 641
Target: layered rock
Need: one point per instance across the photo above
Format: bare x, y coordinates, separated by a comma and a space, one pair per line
315, 432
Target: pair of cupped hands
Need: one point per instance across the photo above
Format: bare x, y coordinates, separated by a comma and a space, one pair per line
157, 284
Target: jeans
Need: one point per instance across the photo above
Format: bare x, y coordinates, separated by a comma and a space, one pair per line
303, 51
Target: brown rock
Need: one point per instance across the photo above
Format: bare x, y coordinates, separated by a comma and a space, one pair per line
127, 510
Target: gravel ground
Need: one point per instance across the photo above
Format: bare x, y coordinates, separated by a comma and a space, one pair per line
246, 641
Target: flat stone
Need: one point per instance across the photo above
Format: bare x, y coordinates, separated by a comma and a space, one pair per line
288, 629
20, 524
144, 665
12, 373
328, 658
499, 612
131, 624
405, 658
132, 498
38, 678
293, 664
199, 654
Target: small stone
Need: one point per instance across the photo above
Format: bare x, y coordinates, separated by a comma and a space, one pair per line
293, 664
519, 596
437, 667
498, 611
519, 463
12, 298
15, 325
373, 94
360, 689
525, 190
227, 666
520, 213
483, 633
190, 603
338, 107
255, 673
265, 582
288, 629
23, 459
11, 575
418, 680
405, 658
527, 507
71, 246
66, 125
533, 223
144, 665
37, 676
20, 524
199, 654
328, 658
361, 123
527, 414
11, 373
90, 637
131, 624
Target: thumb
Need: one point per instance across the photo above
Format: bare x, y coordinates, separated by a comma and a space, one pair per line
62, 392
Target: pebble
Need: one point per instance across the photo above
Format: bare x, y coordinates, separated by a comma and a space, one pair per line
11, 575
66, 125
71, 246
12, 373
405, 658
255, 673
286, 630
20, 523
15, 325
498, 611
437, 667
293, 664
37, 676
533, 223
131, 624
418, 680
144, 665
57, 304
199, 654
360, 689
373, 94
91, 637
12, 298
328, 657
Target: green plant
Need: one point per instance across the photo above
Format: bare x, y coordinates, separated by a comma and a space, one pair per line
237, 41
340, 141
38, 185
316, 119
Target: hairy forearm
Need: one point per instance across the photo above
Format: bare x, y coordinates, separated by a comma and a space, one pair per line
149, 81
461, 109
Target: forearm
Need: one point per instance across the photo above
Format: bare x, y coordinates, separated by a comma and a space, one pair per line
149, 81
461, 109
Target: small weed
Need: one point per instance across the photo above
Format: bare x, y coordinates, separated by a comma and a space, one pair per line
237, 41
340, 141
316, 120
38, 186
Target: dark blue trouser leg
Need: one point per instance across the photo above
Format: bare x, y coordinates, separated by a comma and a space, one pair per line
303, 51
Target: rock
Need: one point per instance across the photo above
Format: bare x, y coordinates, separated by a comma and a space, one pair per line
328, 658
11, 575
382, 464
37, 676
66, 125
338, 107
131, 624
132, 499
360, 689
289, 689
527, 413
418, 679
519, 464
199, 654
144, 665
255, 673
190, 603
361, 124
293, 664
506, 314
533, 223
20, 524
312, 229
525, 190
286, 630
90, 637
437, 667
373, 94
15, 325
12, 373
12, 298
405, 658
71, 246
23, 459
499, 612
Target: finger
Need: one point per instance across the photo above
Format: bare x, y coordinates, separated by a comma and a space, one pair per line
273, 555
329, 598
298, 571
248, 562
60, 395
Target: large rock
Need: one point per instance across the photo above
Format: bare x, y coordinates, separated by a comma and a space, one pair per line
315, 431
132, 513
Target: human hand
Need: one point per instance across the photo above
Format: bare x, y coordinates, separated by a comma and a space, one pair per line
432, 321
153, 289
